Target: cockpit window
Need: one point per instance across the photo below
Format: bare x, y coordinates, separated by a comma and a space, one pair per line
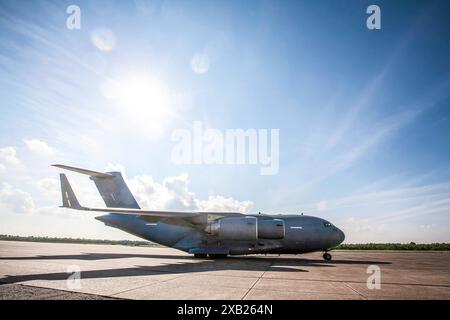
327, 224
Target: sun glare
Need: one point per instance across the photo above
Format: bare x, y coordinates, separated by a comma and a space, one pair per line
140, 101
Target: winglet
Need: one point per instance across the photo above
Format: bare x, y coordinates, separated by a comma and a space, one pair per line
69, 199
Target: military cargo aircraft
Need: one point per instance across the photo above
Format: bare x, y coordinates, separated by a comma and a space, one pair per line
205, 234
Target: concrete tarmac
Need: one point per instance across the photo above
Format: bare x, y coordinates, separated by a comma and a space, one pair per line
30, 270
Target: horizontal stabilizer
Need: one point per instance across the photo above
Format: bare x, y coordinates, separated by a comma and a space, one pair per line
85, 171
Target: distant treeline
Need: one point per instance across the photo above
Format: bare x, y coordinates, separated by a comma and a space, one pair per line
360, 246
77, 240
396, 246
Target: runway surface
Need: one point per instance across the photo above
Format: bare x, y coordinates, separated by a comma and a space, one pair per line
30, 270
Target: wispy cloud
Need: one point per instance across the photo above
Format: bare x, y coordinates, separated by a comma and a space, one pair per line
40, 147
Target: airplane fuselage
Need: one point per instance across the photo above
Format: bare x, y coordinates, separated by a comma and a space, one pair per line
301, 234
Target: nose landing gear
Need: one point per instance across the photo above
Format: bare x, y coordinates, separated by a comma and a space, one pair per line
327, 256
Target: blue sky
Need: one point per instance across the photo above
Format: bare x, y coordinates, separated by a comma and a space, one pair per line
363, 114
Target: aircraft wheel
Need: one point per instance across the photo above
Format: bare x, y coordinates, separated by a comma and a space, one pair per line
200, 255
217, 256
327, 256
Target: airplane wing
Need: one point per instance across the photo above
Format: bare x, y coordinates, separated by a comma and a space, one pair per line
69, 200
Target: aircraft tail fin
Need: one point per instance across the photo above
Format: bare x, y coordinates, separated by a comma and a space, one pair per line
111, 186
69, 199
115, 191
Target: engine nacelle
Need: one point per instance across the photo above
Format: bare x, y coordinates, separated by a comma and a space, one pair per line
246, 228
271, 229
234, 228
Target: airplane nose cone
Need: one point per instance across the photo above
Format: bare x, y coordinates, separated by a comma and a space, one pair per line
341, 236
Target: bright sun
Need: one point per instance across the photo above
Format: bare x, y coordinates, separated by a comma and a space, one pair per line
140, 101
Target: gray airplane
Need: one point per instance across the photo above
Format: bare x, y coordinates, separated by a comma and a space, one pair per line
213, 234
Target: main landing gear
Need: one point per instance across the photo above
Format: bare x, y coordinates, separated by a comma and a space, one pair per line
217, 255
327, 256
211, 255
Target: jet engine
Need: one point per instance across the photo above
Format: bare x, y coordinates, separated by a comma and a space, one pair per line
271, 229
246, 228
234, 228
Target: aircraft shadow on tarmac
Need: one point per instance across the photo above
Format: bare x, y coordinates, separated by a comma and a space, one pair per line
294, 261
185, 264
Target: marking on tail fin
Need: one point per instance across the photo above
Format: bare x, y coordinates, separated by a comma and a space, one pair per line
69, 199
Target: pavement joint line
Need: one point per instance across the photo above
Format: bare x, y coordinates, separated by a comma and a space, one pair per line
359, 293
349, 281
147, 285
257, 280
308, 291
